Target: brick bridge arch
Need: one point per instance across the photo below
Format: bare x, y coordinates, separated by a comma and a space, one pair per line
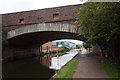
27, 40
44, 27
43, 32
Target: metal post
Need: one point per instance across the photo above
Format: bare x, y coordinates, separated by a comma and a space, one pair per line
47, 52
41, 54
39, 50
57, 62
47, 48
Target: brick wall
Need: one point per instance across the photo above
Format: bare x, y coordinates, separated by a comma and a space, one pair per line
42, 15
44, 47
10, 21
9, 28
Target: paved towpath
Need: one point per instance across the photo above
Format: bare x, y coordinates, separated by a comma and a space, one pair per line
88, 67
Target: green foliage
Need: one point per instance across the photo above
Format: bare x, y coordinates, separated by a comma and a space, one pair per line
111, 67
99, 22
61, 51
77, 46
65, 48
86, 45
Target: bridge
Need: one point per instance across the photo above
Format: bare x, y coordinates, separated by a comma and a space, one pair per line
28, 30
42, 33
33, 36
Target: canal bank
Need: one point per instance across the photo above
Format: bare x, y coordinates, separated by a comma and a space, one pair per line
59, 61
66, 71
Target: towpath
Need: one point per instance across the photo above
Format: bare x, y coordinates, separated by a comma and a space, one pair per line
88, 67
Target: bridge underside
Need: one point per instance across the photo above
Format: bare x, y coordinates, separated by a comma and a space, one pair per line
26, 44
39, 38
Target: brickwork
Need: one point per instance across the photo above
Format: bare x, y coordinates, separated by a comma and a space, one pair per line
114, 46
42, 15
9, 28
12, 21
44, 47
14, 52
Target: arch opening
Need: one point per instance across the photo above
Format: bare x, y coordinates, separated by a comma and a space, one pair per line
30, 38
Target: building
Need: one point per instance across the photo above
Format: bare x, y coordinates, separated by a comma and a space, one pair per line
48, 47
54, 45
62, 43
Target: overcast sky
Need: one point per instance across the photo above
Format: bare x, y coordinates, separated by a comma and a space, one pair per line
9, 6
70, 40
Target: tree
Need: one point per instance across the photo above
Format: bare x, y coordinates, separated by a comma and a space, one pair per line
99, 22
86, 45
65, 47
78, 46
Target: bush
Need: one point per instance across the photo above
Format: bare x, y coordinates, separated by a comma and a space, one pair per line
86, 45
77, 46
62, 50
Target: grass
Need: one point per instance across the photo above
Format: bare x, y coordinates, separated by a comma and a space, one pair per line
110, 66
67, 70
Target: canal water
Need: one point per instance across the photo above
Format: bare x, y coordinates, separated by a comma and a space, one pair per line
36, 67
27, 68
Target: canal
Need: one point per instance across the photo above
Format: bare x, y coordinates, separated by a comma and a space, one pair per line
27, 68
36, 67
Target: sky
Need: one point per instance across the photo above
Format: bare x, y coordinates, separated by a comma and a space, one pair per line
9, 6
71, 40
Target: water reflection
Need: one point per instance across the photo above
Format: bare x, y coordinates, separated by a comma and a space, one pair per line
45, 61
28, 68
36, 67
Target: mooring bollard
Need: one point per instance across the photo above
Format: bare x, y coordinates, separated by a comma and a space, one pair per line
57, 62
